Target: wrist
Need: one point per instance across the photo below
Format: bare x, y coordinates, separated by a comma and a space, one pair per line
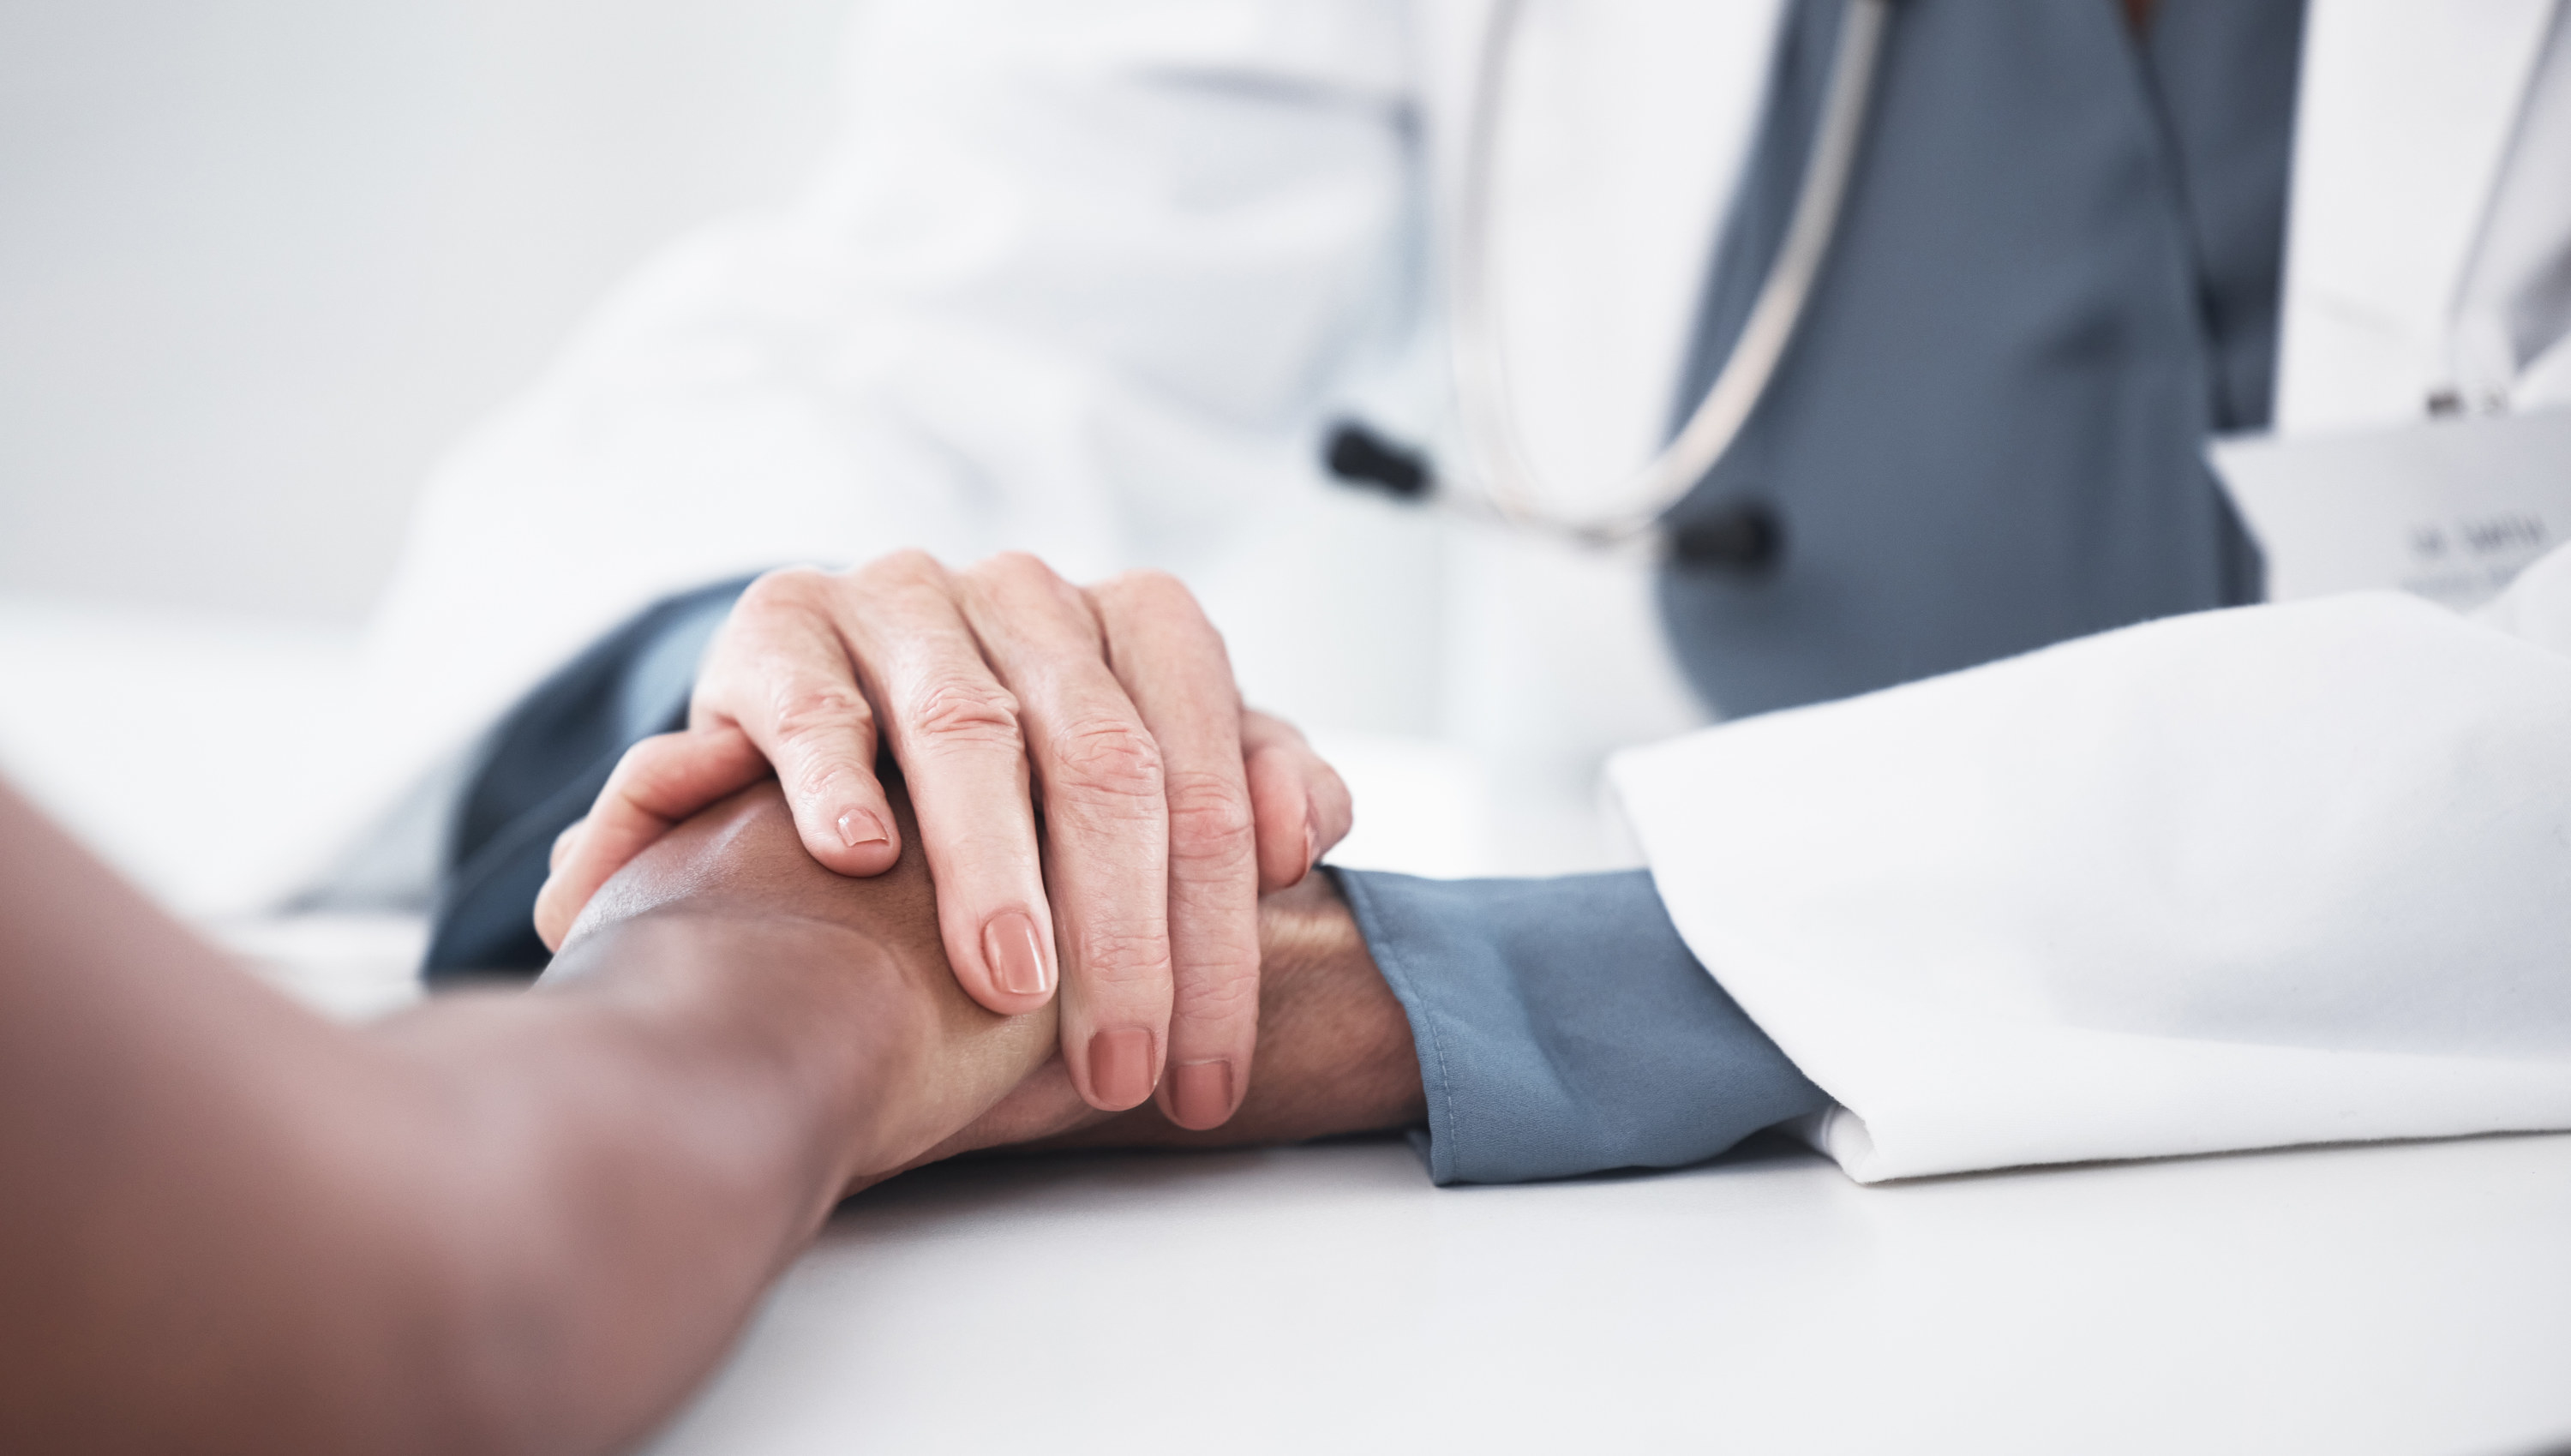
840, 985
802, 1021
1335, 1047
1335, 1051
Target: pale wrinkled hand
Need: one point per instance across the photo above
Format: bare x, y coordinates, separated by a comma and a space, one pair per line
1167, 808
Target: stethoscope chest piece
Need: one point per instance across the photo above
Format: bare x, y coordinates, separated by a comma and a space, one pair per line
1744, 537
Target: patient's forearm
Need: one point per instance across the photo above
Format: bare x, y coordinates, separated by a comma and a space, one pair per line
652, 1141
496, 1224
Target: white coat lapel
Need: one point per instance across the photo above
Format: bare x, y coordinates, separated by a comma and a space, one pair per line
2405, 118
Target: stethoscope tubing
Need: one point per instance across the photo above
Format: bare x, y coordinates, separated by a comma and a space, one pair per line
1510, 486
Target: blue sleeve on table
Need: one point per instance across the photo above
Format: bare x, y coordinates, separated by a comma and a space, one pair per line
1564, 1028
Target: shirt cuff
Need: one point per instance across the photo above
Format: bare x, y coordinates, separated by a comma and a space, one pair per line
1564, 1028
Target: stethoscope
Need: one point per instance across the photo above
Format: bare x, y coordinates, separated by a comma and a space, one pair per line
1510, 489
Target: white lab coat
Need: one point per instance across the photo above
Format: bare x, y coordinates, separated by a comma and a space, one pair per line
2247, 878
2406, 141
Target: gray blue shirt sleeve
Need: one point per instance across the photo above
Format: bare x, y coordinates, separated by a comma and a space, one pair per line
1564, 1028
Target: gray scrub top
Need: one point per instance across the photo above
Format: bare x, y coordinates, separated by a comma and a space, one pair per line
2056, 276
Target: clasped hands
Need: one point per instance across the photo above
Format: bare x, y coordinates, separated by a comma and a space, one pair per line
531, 1221
1098, 813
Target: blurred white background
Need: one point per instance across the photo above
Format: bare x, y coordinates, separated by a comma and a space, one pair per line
261, 260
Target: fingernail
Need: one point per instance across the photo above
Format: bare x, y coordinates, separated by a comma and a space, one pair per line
1201, 1093
857, 827
1010, 948
1312, 840
1119, 1066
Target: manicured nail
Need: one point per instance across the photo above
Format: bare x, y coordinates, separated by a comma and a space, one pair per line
1016, 959
857, 827
1201, 1093
1119, 1066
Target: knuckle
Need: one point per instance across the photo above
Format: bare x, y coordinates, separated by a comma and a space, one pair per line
1123, 959
788, 587
1109, 758
1209, 819
805, 711
659, 776
963, 711
1150, 584
1024, 580
908, 566
1015, 565
1153, 595
652, 767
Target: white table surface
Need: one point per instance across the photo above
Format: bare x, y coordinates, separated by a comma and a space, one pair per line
2411, 1298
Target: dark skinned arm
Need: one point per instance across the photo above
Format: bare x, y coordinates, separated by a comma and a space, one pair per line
498, 1222
513, 1221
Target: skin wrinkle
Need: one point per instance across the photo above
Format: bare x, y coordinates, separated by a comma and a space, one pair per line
954, 715
1122, 957
1221, 995
1103, 768
1172, 664
1210, 822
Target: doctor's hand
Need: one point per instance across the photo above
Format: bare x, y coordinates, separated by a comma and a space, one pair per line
1001, 692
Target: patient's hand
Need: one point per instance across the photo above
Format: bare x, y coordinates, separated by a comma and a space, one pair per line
740, 865
1334, 1052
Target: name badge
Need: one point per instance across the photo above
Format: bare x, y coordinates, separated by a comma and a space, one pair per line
2449, 509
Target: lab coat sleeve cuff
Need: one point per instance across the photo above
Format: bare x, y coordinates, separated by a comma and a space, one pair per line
1563, 1028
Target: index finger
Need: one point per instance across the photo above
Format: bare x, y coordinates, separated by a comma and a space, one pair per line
954, 728
781, 673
